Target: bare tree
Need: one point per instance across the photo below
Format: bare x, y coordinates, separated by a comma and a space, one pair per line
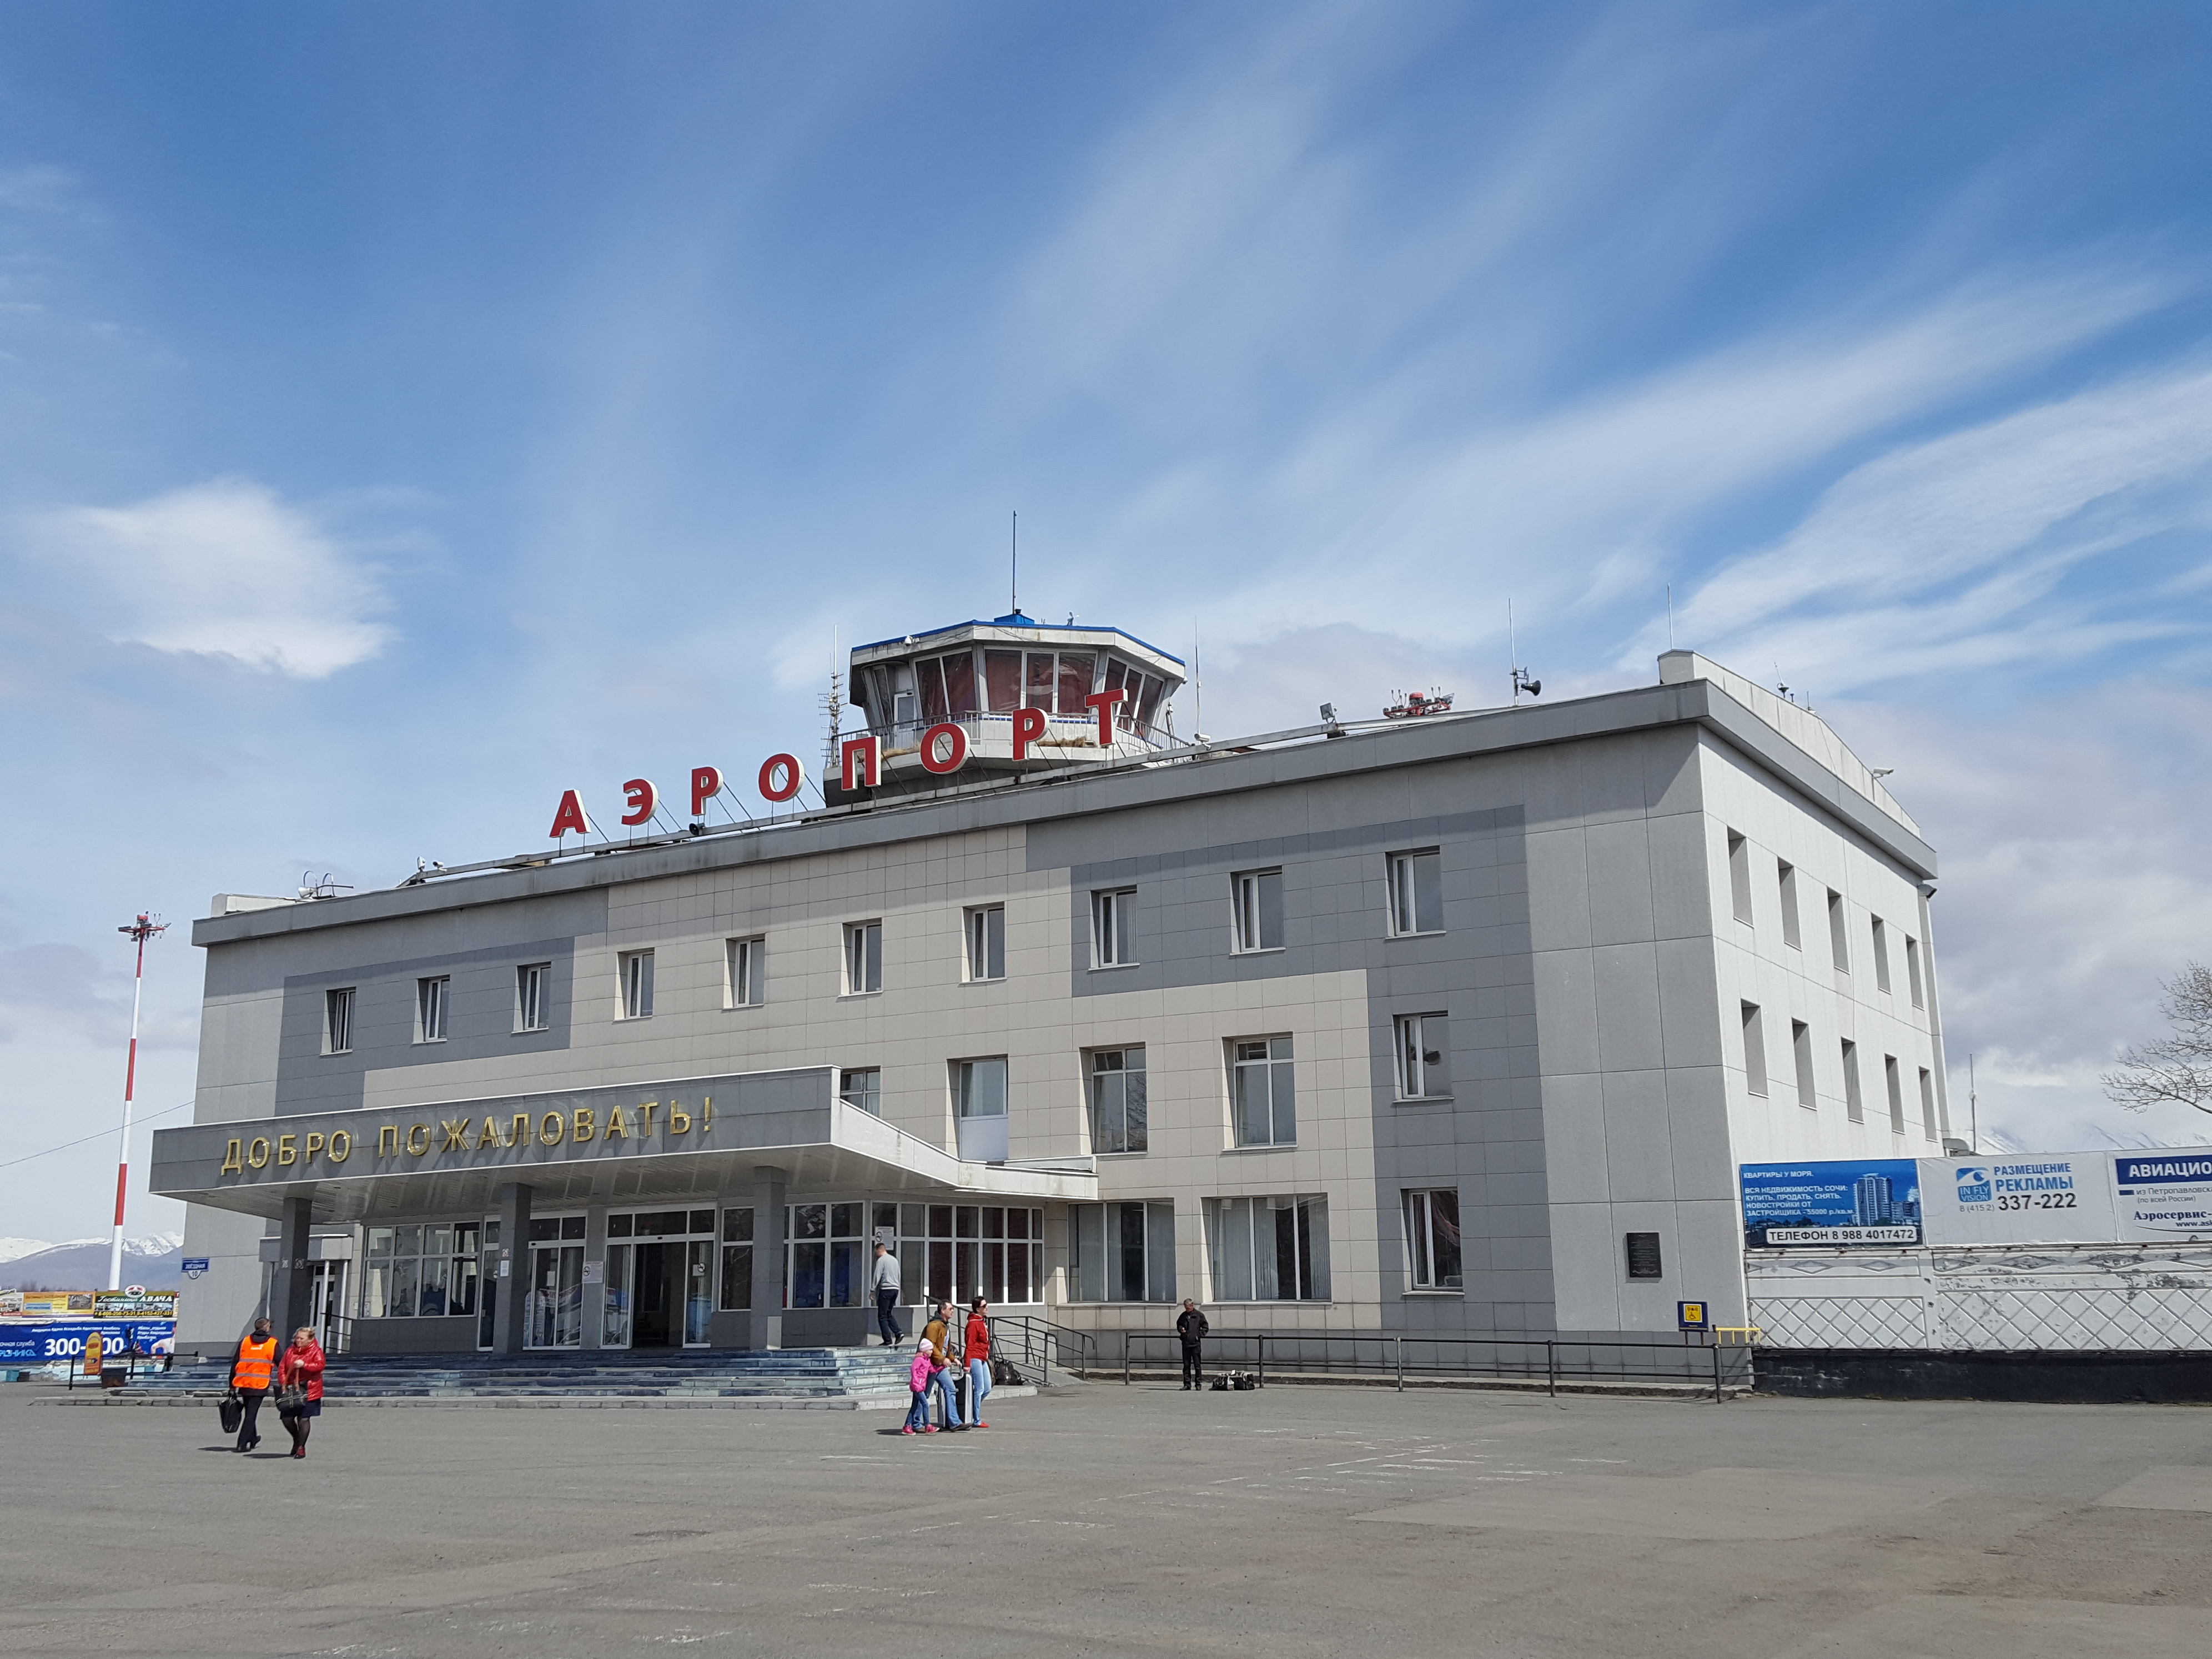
2176, 1070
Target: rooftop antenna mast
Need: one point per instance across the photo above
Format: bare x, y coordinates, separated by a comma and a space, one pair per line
1014, 571
1973, 1108
142, 928
833, 710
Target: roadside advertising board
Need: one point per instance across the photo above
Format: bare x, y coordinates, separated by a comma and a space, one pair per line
1826, 1204
44, 1341
2024, 1198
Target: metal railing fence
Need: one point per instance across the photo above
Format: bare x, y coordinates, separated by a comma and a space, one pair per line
1550, 1360
1033, 1343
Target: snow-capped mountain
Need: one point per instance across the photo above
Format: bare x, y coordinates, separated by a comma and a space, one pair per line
12, 1248
156, 1261
2084, 1137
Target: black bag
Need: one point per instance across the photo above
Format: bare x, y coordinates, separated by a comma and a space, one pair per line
232, 1410
291, 1399
1246, 1381
1004, 1375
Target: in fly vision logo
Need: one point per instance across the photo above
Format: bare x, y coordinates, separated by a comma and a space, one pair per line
1974, 1187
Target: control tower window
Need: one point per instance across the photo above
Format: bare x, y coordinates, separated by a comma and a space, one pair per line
1002, 681
1040, 681
959, 684
1077, 669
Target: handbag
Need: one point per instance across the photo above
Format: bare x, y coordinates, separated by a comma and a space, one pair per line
232, 1410
291, 1398
1004, 1375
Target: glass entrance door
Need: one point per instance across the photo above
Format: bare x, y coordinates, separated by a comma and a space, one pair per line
659, 1291
557, 1296
325, 1292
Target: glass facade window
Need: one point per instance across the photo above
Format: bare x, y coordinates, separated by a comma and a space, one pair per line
746, 966
422, 1270
824, 1265
864, 958
1424, 1057
1268, 1249
955, 1252
636, 970
532, 981
862, 1087
1417, 892
338, 1021
1263, 1093
1256, 910
987, 943
1433, 1246
737, 1259
1120, 1108
1112, 919
980, 1087
430, 998
1121, 1252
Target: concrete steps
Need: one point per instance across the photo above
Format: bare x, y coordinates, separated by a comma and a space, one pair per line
791, 1373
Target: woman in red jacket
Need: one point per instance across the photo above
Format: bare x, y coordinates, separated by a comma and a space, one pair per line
301, 1367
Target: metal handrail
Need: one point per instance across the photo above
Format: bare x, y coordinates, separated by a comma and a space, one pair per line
1571, 1357
1039, 1337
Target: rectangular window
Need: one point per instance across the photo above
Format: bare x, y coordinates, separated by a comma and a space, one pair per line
745, 973
987, 943
1912, 971
1432, 1239
1739, 857
1839, 940
1895, 1083
1854, 1102
1791, 935
864, 958
430, 998
1754, 1050
1417, 892
421, 1271
863, 1087
1801, 1043
1881, 956
1256, 910
1263, 1092
636, 984
955, 1252
737, 1259
532, 981
1644, 1256
1424, 1048
1120, 1114
1928, 1102
980, 1087
1121, 1252
338, 1021
1112, 914
1268, 1249
825, 1265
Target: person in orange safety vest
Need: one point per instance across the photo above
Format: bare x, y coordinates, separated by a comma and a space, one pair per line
253, 1369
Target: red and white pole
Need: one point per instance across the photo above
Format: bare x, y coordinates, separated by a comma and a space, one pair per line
143, 928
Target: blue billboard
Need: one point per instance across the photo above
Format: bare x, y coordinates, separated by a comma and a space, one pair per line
61, 1341
1832, 1202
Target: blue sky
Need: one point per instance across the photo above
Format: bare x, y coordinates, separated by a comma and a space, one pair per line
407, 411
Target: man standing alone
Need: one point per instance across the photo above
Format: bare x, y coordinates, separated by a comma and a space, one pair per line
1192, 1328
885, 1283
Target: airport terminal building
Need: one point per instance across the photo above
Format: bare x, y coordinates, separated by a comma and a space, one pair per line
1455, 1024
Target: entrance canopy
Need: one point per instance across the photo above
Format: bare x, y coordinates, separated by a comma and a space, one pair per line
645, 1141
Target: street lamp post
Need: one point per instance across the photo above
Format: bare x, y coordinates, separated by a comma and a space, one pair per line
143, 928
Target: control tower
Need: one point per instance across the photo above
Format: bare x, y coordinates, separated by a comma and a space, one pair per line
981, 676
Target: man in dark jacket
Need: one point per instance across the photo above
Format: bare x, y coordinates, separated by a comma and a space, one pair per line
1192, 1328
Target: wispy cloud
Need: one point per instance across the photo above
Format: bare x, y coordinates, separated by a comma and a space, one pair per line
1946, 548
223, 569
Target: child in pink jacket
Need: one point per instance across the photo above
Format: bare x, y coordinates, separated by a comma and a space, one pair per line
920, 1375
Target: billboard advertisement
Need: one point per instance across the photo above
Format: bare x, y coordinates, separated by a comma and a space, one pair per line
2161, 1195
2164, 1194
1831, 1203
45, 1341
2042, 1198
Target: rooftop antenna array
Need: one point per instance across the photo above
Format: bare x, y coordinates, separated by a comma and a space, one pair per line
1014, 571
833, 712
